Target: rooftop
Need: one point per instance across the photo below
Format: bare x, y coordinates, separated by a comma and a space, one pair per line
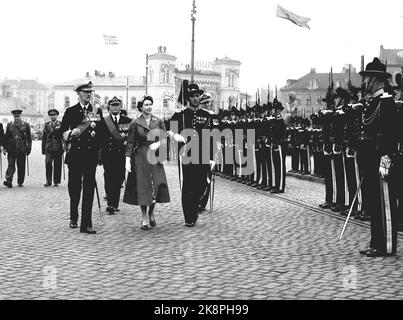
106, 81
322, 79
391, 56
23, 84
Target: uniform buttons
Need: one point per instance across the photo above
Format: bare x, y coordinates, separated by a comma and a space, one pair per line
78, 148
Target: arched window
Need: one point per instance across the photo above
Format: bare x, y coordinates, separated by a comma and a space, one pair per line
66, 102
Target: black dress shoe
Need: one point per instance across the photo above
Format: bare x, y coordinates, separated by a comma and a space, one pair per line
111, 210
88, 230
20, 185
337, 208
153, 223
192, 224
8, 184
378, 253
116, 209
365, 251
56, 185
274, 190
364, 217
47, 184
73, 225
325, 205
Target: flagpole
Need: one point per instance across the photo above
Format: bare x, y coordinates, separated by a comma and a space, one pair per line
146, 74
127, 94
193, 42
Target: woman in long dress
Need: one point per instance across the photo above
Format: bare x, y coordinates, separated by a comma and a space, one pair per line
146, 182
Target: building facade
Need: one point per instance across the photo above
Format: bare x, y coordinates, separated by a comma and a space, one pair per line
220, 78
304, 95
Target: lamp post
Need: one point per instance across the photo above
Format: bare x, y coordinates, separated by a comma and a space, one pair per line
193, 42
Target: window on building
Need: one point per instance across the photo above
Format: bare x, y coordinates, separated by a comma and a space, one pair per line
165, 103
106, 100
151, 78
66, 102
134, 103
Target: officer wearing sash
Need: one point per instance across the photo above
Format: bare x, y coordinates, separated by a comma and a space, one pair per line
377, 148
113, 152
82, 131
52, 148
17, 144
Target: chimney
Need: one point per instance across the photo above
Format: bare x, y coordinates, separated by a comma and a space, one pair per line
87, 74
313, 70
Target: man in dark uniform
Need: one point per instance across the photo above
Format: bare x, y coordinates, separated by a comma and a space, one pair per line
17, 144
82, 130
278, 148
195, 173
52, 148
377, 148
113, 152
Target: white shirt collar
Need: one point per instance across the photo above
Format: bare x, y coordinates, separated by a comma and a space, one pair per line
86, 106
117, 117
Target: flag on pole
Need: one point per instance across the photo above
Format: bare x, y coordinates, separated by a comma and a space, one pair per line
298, 20
110, 40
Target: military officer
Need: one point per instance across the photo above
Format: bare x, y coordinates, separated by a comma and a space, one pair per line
82, 130
17, 144
278, 148
52, 148
195, 172
378, 145
113, 152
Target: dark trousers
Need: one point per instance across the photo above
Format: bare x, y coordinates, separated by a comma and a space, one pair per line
279, 167
261, 173
317, 163
378, 200
294, 158
206, 193
193, 189
82, 176
304, 165
328, 171
114, 175
340, 182
268, 168
53, 164
18, 158
353, 182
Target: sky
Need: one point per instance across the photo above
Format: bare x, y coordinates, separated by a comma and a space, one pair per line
60, 40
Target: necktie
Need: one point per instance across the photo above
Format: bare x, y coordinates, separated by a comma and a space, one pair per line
116, 120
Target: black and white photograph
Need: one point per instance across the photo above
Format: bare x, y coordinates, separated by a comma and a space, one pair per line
222, 153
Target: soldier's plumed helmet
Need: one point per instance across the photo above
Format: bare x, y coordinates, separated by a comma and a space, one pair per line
234, 111
83, 86
277, 105
375, 69
123, 112
193, 88
341, 93
53, 111
16, 111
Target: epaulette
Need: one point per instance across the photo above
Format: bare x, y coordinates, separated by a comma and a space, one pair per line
386, 95
178, 110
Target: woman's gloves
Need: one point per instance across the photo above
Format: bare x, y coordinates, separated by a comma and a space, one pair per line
177, 137
154, 146
128, 164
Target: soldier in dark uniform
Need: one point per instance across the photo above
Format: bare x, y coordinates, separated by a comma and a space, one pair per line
377, 148
278, 148
1, 138
325, 120
17, 144
52, 148
82, 131
113, 152
195, 172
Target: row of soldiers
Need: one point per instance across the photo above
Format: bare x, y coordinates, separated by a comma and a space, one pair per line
258, 161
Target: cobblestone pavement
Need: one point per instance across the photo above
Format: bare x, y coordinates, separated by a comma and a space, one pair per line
254, 246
